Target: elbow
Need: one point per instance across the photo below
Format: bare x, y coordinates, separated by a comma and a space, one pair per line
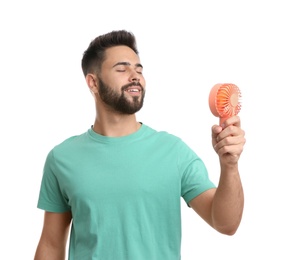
228, 230
227, 225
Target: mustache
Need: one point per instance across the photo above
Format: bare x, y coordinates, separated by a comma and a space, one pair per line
132, 84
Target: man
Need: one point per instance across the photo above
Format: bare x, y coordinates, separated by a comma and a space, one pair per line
120, 182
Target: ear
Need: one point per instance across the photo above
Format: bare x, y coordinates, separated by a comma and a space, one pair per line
92, 82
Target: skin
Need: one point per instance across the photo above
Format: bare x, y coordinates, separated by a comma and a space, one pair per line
52, 243
221, 207
108, 122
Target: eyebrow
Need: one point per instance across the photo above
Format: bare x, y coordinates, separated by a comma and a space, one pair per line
127, 64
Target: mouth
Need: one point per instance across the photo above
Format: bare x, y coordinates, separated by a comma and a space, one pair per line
134, 90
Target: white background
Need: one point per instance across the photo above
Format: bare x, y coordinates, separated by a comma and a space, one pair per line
186, 47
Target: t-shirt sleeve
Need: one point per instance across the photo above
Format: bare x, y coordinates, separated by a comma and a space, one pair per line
51, 197
194, 175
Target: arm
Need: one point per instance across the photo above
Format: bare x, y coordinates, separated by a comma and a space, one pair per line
222, 208
52, 243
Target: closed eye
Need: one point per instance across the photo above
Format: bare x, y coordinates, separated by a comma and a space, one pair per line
122, 67
139, 68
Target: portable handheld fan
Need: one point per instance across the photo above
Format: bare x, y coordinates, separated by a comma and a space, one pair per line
225, 101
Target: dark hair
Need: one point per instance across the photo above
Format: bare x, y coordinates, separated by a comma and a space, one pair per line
95, 53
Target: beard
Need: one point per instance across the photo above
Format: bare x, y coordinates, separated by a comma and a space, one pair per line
118, 101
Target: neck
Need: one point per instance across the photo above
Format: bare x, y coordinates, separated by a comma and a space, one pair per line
116, 126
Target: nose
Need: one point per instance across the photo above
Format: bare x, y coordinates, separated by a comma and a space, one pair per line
135, 77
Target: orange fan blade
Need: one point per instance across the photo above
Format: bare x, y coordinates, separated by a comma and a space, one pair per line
225, 101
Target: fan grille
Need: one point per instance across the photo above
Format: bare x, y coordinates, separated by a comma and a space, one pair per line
228, 100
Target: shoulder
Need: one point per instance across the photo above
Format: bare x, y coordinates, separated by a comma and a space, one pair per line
69, 144
165, 137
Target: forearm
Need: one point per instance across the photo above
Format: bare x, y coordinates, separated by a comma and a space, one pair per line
228, 202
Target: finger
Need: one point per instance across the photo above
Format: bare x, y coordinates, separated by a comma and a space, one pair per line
234, 150
230, 130
234, 120
231, 144
215, 130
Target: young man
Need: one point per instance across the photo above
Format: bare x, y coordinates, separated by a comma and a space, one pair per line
120, 182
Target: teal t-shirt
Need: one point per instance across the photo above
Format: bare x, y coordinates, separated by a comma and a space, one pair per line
124, 193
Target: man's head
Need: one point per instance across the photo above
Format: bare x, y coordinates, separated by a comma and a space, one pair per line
113, 72
94, 55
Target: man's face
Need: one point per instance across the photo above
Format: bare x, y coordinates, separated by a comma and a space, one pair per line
121, 83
